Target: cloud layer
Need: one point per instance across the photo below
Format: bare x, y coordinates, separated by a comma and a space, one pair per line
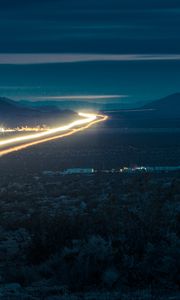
43, 58
91, 26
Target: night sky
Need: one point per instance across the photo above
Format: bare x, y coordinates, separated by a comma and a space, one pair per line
90, 47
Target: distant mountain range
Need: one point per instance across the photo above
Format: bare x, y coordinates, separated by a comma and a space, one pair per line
167, 105
80, 104
164, 112
14, 113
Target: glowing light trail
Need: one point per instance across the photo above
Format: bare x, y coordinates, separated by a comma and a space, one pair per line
87, 119
91, 120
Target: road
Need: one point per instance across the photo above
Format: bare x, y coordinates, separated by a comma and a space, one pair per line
19, 143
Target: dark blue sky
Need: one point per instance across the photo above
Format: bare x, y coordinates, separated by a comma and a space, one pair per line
102, 47
98, 26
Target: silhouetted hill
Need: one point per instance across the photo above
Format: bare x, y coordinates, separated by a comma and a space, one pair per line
162, 113
7, 104
12, 113
169, 105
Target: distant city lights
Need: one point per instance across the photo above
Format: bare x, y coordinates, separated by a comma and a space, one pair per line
24, 129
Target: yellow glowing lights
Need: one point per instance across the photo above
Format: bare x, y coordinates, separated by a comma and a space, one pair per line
87, 118
24, 129
52, 134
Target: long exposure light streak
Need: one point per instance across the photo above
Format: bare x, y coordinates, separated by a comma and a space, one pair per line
87, 118
91, 120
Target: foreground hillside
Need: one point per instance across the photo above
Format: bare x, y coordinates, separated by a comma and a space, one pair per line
89, 237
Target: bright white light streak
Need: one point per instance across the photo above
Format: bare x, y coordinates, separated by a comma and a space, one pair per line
99, 118
87, 119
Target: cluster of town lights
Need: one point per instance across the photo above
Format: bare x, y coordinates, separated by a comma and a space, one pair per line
24, 129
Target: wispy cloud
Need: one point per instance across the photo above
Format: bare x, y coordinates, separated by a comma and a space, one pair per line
46, 58
80, 97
